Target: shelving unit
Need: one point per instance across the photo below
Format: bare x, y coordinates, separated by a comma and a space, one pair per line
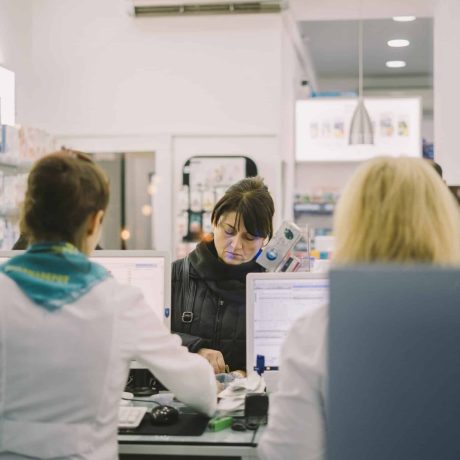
16, 168
313, 208
13, 178
21, 147
317, 187
8, 214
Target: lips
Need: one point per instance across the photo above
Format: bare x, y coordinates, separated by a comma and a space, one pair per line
232, 255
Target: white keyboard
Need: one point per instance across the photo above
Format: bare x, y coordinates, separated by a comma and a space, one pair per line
130, 416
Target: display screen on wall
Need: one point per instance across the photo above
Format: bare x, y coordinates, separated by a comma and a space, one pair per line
323, 126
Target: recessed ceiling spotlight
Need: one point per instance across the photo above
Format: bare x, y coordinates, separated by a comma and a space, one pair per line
398, 43
395, 64
404, 18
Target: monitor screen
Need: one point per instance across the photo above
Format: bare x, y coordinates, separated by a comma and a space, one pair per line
274, 302
149, 271
393, 376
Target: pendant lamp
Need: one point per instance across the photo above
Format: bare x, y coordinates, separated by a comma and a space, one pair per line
361, 126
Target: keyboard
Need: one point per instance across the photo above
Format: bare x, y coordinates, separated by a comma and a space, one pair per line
130, 416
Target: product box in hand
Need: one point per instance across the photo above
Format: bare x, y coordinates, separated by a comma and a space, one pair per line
277, 255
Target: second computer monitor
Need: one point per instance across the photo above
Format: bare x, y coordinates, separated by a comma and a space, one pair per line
150, 271
273, 303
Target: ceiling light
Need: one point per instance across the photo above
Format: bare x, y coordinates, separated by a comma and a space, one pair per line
395, 64
398, 43
404, 18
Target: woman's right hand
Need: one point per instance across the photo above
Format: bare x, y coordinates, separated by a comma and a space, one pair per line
214, 357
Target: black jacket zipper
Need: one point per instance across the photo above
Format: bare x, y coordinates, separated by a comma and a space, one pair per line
220, 304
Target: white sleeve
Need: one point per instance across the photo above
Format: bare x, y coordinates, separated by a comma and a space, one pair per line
189, 376
296, 423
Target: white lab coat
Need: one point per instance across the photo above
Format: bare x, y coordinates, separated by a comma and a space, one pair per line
296, 422
62, 373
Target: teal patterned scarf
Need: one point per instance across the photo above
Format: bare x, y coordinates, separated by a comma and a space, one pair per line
54, 274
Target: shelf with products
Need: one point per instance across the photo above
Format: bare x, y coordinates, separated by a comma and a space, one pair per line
14, 168
314, 208
9, 213
12, 189
21, 147
318, 201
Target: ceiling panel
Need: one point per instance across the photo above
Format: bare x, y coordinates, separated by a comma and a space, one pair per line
334, 47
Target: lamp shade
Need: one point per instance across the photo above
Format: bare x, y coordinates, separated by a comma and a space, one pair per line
361, 127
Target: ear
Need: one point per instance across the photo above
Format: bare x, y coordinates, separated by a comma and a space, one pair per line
266, 241
94, 222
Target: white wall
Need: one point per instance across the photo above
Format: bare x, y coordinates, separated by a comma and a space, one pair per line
446, 89
100, 71
15, 48
292, 75
103, 79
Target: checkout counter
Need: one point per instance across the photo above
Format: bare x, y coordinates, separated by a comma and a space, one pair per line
226, 443
191, 437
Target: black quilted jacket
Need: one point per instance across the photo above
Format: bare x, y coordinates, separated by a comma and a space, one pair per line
210, 310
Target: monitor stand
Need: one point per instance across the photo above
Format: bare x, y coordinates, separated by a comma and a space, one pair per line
141, 382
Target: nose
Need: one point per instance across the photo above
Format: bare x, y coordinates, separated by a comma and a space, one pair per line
236, 242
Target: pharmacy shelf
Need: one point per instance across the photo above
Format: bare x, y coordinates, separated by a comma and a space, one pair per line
313, 208
10, 213
15, 168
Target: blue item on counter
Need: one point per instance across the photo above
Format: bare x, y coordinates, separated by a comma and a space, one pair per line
260, 364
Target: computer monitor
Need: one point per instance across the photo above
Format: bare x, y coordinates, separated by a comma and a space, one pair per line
394, 374
150, 271
273, 302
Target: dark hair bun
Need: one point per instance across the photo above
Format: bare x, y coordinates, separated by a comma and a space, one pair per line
63, 190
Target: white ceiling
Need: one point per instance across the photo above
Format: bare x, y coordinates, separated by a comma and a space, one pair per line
314, 10
334, 47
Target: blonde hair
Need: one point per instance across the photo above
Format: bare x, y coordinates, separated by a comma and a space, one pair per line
397, 210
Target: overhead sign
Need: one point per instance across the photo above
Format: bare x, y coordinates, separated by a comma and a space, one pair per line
323, 127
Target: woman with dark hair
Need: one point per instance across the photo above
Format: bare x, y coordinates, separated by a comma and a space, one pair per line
68, 330
209, 285
23, 241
